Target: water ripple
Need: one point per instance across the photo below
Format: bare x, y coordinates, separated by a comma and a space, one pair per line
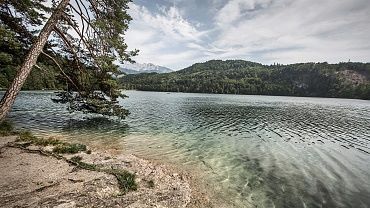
259, 150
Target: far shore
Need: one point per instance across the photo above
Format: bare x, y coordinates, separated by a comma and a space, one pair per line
204, 93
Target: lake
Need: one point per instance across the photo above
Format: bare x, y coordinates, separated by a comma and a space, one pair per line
251, 151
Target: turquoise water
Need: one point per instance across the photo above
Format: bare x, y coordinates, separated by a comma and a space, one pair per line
252, 151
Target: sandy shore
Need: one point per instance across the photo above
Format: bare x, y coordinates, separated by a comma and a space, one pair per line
31, 179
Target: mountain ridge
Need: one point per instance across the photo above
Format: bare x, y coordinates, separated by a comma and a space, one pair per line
344, 80
138, 68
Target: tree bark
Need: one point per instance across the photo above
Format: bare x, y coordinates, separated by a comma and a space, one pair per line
30, 60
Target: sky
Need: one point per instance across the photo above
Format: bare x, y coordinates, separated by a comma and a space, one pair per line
179, 33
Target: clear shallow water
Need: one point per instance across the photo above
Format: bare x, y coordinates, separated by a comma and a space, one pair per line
256, 151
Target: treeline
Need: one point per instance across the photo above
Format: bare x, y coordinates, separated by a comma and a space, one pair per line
15, 42
344, 80
42, 77
17, 18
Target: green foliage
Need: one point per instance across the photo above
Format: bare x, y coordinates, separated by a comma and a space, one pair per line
76, 159
20, 18
126, 180
6, 128
347, 80
83, 165
59, 146
17, 18
91, 84
113, 22
87, 166
86, 78
27, 136
67, 148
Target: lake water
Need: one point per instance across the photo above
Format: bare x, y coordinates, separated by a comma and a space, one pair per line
251, 151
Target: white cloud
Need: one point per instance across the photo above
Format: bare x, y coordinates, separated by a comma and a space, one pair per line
163, 38
236, 9
266, 31
317, 30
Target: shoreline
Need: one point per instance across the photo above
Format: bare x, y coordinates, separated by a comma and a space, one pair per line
33, 180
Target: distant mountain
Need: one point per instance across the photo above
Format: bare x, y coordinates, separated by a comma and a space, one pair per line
345, 80
137, 68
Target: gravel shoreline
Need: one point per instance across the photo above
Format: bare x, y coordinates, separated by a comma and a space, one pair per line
31, 179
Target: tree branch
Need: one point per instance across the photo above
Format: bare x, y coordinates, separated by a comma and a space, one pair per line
81, 17
61, 70
37, 66
88, 46
94, 6
87, 20
70, 45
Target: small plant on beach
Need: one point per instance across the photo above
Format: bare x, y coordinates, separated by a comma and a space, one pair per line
6, 128
87, 166
60, 147
69, 148
126, 180
27, 136
76, 159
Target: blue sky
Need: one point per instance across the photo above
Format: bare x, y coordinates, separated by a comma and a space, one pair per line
178, 33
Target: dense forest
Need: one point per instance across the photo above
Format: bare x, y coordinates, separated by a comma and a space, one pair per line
15, 42
45, 77
344, 80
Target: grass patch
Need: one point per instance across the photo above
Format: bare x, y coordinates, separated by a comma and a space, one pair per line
76, 159
83, 165
60, 147
87, 166
69, 148
126, 180
27, 136
6, 128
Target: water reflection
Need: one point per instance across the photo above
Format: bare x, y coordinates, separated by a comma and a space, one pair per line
96, 124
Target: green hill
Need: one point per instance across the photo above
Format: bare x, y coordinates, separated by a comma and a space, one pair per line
345, 80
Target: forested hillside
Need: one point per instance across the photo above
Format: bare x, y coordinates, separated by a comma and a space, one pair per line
345, 80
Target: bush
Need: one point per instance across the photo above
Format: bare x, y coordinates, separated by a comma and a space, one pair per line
126, 180
6, 128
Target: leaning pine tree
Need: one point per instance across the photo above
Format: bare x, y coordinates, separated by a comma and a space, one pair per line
89, 32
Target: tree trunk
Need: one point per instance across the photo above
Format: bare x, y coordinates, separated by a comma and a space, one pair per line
30, 60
